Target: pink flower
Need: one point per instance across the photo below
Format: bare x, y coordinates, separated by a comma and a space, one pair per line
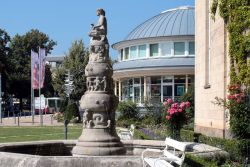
237, 95
175, 105
230, 97
238, 100
171, 111
187, 104
180, 110
169, 101
168, 117
183, 105
165, 103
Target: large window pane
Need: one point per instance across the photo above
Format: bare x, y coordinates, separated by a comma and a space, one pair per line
137, 80
137, 94
180, 79
142, 93
153, 50
166, 49
133, 52
126, 53
179, 89
121, 54
155, 80
179, 48
156, 93
167, 91
142, 50
191, 48
167, 79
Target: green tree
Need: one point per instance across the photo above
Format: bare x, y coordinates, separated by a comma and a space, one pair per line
48, 89
4, 52
75, 61
19, 73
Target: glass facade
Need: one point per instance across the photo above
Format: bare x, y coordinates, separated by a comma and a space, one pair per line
179, 48
133, 52
164, 49
153, 50
126, 53
133, 89
158, 88
142, 51
191, 48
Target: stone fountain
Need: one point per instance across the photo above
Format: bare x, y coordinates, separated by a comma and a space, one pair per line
99, 102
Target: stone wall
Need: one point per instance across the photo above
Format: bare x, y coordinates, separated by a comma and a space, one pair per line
211, 74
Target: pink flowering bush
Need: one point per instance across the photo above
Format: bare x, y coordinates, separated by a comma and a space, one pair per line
237, 103
175, 115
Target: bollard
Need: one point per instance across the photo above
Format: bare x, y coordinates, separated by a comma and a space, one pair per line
51, 119
14, 118
18, 115
66, 122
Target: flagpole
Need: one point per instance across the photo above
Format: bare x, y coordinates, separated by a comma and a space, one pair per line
40, 112
32, 91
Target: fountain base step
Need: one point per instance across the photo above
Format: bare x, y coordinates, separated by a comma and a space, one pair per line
98, 142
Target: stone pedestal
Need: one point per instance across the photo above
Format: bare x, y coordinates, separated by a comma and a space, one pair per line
99, 103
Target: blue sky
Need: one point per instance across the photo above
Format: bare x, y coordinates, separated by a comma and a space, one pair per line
68, 20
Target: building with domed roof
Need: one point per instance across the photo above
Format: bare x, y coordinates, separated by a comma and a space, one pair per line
156, 59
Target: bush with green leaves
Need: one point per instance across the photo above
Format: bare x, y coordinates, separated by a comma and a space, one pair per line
189, 96
154, 113
128, 110
71, 111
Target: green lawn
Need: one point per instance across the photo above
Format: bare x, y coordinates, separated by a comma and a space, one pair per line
18, 134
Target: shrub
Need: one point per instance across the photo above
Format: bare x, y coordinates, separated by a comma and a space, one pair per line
71, 111
236, 103
63, 106
189, 96
128, 110
154, 113
175, 115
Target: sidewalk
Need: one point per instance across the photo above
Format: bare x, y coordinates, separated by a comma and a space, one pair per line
27, 121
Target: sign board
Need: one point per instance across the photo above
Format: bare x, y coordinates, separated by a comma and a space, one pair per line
37, 102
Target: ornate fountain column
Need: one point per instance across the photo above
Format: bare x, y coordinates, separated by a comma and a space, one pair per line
99, 136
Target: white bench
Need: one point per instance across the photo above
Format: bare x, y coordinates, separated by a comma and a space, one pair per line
167, 157
126, 134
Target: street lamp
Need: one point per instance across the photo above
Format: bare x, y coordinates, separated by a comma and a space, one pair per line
1, 69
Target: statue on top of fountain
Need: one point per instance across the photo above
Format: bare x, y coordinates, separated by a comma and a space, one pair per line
99, 31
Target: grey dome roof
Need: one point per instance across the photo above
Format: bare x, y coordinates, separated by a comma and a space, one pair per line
173, 22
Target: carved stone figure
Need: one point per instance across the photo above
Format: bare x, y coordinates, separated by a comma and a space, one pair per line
97, 84
99, 102
99, 31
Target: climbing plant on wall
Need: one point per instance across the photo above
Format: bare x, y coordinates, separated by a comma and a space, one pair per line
236, 15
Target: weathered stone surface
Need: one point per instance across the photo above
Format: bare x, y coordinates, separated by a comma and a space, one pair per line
99, 102
57, 154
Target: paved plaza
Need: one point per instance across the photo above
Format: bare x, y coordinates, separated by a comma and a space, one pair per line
27, 121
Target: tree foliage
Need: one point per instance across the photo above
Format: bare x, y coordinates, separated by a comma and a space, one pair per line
75, 61
4, 53
18, 61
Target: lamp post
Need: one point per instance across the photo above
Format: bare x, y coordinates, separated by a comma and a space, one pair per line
1, 68
1, 121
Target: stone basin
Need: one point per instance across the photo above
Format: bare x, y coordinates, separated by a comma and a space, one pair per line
57, 153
